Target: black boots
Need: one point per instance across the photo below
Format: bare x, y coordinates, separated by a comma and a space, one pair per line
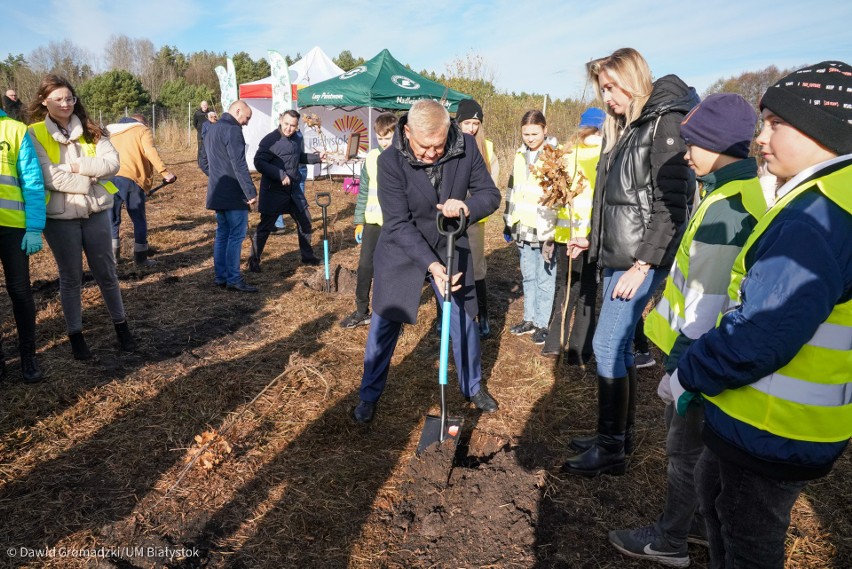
125, 338
607, 455
140, 255
482, 301
30, 372
582, 444
79, 347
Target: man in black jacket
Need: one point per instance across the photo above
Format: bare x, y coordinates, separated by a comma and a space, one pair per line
198, 120
13, 106
431, 167
277, 159
230, 192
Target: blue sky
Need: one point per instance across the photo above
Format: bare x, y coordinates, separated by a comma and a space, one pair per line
538, 46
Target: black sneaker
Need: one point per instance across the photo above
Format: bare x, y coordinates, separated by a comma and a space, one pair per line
646, 543
539, 336
355, 319
643, 359
525, 327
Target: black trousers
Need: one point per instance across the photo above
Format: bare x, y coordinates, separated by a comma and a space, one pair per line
16, 271
267, 225
581, 302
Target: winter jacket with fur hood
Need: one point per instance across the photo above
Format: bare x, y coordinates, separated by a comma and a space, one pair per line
76, 196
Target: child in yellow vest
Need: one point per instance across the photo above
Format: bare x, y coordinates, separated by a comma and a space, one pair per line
368, 221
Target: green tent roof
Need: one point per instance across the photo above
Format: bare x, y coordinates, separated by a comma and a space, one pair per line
382, 82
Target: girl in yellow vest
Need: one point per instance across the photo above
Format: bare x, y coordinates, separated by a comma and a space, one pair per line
469, 117
78, 162
576, 222
531, 226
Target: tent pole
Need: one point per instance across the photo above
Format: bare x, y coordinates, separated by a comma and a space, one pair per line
370, 131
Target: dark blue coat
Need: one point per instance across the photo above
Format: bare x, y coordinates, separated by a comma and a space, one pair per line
278, 156
409, 241
229, 184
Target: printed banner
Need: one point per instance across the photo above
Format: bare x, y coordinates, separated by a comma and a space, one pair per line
227, 84
282, 94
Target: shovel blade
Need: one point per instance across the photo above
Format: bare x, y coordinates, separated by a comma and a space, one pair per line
432, 432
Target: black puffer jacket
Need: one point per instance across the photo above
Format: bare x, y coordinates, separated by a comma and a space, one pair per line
644, 184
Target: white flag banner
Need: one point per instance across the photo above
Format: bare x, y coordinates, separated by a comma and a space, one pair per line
282, 94
227, 84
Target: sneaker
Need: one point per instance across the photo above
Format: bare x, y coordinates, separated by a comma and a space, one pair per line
539, 336
643, 359
355, 319
698, 534
646, 543
525, 327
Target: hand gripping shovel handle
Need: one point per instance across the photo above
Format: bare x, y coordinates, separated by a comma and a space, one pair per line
156, 189
323, 200
451, 234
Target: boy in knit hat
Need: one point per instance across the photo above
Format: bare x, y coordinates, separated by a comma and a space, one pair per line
718, 133
774, 375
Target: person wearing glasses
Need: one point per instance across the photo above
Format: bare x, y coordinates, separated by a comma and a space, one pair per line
78, 163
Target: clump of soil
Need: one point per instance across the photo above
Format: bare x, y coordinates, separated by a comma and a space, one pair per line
341, 280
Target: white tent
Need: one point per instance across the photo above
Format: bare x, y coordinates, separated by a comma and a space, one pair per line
337, 124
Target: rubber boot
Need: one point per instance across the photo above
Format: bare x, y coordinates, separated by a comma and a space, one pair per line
79, 347
30, 371
482, 301
125, 338
582, 444
116, 249
140, 255
607, 455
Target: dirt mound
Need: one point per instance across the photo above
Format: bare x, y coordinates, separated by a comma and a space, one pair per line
341, 279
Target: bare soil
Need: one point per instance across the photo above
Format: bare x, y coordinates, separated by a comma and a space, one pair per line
100, 465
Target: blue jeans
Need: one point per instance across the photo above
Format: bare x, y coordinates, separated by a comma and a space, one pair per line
131, 195
747, 515
613, 340
381, 343
539, 279
231, 225
683, 448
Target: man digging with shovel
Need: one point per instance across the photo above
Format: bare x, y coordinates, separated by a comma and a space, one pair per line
431, 167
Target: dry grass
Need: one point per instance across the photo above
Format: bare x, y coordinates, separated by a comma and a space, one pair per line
96, 455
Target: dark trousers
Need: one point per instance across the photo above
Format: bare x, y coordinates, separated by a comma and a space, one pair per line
581, 303
16, 270
381, 343
369, 239
747, 515
267, 225
131, 195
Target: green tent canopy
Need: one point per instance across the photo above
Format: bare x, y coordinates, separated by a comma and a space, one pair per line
383, 83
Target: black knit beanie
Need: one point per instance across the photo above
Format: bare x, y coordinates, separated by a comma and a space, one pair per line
817, 101
469, 109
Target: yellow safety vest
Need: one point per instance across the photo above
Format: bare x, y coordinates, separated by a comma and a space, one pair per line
12, 212
579, 225
373, 212
664, 323
489, 152
52, 148
810, 398
525, 197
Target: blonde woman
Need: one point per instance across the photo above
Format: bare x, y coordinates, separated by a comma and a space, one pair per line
78, 161
638, 213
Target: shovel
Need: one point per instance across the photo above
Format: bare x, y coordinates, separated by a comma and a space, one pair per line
156, 189
324, 200
439, 429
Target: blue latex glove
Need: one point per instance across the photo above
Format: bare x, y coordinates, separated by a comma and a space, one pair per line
682, 398
507, 234
31, 243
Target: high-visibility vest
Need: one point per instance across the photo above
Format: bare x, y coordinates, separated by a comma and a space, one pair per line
373, 211
526, 195
664, 323
578, 223
12, 212
51, 147
489, 152
810, 398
